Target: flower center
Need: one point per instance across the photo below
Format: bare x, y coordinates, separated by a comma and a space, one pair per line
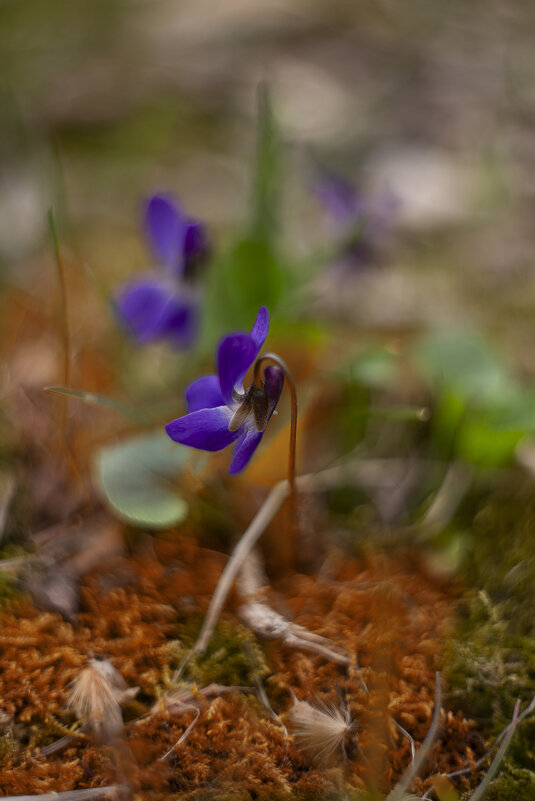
252, 408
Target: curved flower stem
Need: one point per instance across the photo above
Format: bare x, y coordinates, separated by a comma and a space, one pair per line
293, 424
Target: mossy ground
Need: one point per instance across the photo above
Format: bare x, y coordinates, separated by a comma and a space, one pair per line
142, 613
491, 658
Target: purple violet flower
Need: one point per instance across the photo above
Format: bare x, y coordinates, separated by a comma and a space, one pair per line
162, 306
362, 224
339, 199
221, 411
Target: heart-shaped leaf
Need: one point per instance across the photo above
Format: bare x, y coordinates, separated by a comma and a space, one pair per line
139, 479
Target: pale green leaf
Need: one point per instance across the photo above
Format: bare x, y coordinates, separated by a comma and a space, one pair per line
139, 479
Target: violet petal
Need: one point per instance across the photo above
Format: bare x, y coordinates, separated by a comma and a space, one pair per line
178, 324
166, 230
206, 429
194, 239
204, 393
273, 383
339, 197
260, 328
236, 354
245, 449
142, 305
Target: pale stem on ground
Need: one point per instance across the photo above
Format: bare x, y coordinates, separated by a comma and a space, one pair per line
416, 765
311, 482
481, 790
69, 795
266, 622
448, 497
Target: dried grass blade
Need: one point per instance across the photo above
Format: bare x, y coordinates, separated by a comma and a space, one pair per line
67, 341
99, 400
264, 700
414, 768
406, 734
69, 795
496, 762
183, 736
248, 540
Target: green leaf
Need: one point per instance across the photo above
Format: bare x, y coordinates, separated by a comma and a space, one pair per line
516, 410
138, 478
267, 188
417, 414
249, 273
374, 368
483, 444
482, 411
254, 274
462, 364
246, 277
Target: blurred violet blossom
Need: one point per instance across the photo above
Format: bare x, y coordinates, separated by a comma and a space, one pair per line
362, 224
163, 306
221, 411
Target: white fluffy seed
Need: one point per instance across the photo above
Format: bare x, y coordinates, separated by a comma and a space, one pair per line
319, 728
95, 697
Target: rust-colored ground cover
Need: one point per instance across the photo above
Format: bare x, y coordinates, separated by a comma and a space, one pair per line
136, 611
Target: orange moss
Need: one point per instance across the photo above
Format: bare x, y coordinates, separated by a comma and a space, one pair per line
388, 612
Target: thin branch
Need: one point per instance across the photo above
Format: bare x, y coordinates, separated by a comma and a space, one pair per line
470, 768
266, 622
183, 736
448, 497
69, 795
63, 742
496, 762
263, 517
406, 734
264, 700
311, 482
416, 765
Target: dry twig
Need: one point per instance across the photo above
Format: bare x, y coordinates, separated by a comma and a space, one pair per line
312, 482
416, 765
70, 795
504, 738
267, 623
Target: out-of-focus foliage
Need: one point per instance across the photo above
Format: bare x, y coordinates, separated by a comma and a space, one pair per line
249, 273
482, 411
139, 478
374, 367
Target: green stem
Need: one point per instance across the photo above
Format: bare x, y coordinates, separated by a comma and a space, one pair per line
67, 345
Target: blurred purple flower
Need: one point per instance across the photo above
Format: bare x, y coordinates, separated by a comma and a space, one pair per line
339, 198
363, 225
163, 305
221, 411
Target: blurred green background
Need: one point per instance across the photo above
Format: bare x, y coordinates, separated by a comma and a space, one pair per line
105, 101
